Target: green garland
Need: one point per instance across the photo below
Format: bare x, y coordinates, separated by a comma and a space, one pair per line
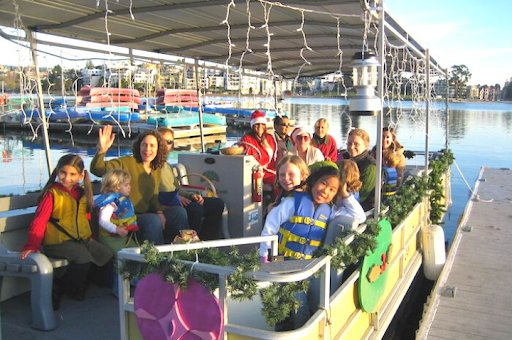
169, 266
279, 299
439, 166
397, 207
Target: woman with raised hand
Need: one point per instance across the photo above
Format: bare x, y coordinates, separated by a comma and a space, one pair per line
144, 166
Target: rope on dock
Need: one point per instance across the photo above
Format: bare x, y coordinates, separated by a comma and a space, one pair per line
475, 197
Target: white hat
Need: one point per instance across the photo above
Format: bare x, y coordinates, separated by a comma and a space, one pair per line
298, 132
258, 117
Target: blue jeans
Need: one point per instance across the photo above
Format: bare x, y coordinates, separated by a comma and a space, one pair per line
176, 220
150, 228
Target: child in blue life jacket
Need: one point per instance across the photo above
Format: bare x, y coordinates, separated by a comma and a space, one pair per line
61, 228
300, 220
292, 173
117, 217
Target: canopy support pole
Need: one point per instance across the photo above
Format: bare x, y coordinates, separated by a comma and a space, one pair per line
33, 48
427, 109
447, 117
200, 107
380, 93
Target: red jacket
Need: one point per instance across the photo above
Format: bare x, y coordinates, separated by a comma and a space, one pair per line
267, 159
328, 147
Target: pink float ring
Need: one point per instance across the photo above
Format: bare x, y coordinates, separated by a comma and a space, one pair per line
164, 311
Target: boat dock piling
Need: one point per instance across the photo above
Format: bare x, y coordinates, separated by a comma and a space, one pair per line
472, 298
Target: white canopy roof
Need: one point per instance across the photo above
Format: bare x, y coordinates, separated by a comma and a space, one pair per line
281, 38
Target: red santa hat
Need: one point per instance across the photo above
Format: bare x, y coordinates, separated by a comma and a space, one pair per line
258, 117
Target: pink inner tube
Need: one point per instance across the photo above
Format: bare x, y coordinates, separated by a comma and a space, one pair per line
164, 311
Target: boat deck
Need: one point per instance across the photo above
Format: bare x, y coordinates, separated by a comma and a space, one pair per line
472, 298
97, 317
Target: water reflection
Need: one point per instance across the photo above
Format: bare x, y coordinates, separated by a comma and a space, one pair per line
480, 134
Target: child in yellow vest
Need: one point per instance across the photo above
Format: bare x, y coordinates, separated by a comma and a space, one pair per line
61, 228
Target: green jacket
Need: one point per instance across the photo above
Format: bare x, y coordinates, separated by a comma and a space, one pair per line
144, 186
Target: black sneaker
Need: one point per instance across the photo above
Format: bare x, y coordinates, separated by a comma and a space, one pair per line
56, 295
78, 294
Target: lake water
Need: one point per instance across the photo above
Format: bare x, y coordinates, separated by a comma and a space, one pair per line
480, 134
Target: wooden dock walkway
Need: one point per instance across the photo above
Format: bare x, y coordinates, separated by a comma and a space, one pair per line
473, 297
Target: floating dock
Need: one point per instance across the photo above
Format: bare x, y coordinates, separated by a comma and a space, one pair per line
472, 298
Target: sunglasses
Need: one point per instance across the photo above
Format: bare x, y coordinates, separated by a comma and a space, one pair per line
169, 141
303, 137
286, 125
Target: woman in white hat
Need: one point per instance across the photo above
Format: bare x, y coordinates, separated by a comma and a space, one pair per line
303, 147
262, 146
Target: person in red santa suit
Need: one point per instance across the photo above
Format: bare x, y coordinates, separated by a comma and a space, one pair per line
262, 146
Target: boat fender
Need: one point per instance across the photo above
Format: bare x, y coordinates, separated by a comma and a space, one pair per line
434, 252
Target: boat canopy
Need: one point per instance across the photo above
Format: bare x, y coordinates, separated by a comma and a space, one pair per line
289, 38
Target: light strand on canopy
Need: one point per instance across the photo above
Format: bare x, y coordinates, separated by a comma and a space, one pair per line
266, 10
230, 43
339, 54
305, 47
119, 78
334, 15
247, 42
24, 78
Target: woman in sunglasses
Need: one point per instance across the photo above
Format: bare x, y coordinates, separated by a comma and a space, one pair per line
203, 214
303, 147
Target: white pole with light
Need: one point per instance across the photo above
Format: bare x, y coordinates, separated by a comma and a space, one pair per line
380, 93
200, 107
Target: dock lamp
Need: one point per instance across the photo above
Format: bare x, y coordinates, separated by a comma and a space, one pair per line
364, 74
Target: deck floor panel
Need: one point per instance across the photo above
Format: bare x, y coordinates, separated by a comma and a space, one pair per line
97, 317
480, 268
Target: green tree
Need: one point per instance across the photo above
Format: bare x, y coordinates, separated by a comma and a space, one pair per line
89, 64
459, 77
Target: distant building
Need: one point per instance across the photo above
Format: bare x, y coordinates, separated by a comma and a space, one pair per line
92, 76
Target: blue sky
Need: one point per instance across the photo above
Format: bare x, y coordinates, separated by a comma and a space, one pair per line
476, 33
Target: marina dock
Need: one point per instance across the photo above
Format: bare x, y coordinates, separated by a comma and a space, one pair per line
472, 298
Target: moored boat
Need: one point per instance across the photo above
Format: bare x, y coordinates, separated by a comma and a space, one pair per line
185, 118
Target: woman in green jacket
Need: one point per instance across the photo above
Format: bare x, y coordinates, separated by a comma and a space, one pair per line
144, 167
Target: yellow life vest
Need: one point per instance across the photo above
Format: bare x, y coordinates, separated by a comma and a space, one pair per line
70, 215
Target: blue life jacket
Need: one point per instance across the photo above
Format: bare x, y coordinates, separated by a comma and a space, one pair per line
304, 232
125, 213
390, 181
356, 196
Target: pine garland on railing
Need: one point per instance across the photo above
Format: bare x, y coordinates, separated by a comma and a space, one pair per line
169, 266
439, 166
279, 299
396, 208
